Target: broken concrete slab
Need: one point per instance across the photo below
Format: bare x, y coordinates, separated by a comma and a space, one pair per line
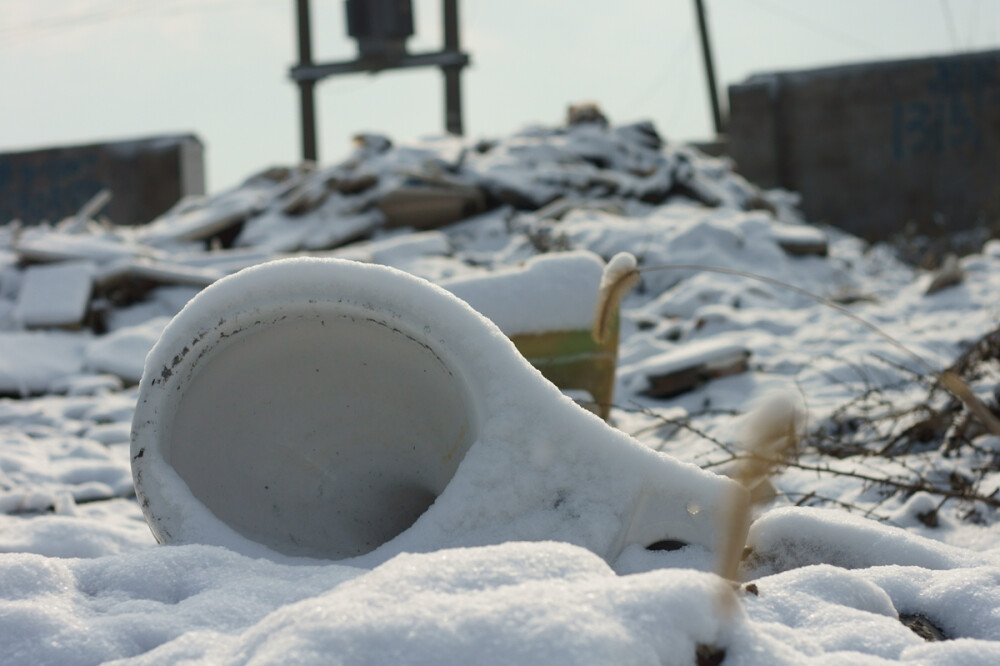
688, 367
430, 206
158, 272
55, 294
42, 246
310, 194
203, 222
129, 281
225, 261
799, 240
559, 208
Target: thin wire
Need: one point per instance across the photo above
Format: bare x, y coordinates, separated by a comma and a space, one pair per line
974, 23
819, 28
680, 98
949, 21
798, 290
673, 60
26, 31
74, 20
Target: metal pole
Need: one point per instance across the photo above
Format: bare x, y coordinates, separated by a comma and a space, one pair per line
307, 101
452, 74
706, 50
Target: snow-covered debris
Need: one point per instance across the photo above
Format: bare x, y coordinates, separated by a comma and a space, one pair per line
190, 223
130, 272
798, 239
38, 244
793, 537
550, 292
903, 552
581, 169
680, 370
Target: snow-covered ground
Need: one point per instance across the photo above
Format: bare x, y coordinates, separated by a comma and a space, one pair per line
882, 524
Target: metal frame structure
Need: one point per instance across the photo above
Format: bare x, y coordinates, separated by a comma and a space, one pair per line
306, 73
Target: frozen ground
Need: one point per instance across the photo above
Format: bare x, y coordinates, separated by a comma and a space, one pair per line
886, 514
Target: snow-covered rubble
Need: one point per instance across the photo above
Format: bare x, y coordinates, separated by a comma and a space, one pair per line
568, 174
883, 523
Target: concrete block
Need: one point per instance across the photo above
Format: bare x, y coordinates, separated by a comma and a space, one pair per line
55, 295
876, 147
145, 177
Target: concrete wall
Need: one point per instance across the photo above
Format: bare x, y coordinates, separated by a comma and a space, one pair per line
145, 176
875, 147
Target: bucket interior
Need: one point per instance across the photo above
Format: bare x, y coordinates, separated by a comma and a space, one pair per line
320, 433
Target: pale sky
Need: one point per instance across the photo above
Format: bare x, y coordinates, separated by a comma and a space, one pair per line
80, 71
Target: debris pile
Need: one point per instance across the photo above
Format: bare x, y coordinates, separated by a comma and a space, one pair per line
77, 282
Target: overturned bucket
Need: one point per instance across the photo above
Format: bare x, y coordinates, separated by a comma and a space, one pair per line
332, 409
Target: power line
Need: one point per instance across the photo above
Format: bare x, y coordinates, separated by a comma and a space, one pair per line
974, 23
950, 23
75, 20
673, 62
40, 27
819, 28
678, 104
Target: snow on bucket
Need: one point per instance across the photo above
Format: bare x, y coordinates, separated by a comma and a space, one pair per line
332, 409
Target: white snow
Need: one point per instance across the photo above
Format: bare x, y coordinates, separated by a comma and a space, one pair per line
551, 292
534, 550
31, 361
123, 352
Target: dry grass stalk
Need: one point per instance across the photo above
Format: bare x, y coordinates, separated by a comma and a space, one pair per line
620, 275
951, 381
771, 435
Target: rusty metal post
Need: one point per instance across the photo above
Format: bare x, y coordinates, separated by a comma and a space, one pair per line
452, 73
706, 50
306, 98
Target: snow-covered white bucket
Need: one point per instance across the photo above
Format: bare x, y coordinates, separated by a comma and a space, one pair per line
327, 408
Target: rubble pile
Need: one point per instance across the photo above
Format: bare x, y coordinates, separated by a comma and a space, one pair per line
434, 208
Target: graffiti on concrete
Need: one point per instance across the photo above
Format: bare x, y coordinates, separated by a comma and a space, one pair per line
952, 116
